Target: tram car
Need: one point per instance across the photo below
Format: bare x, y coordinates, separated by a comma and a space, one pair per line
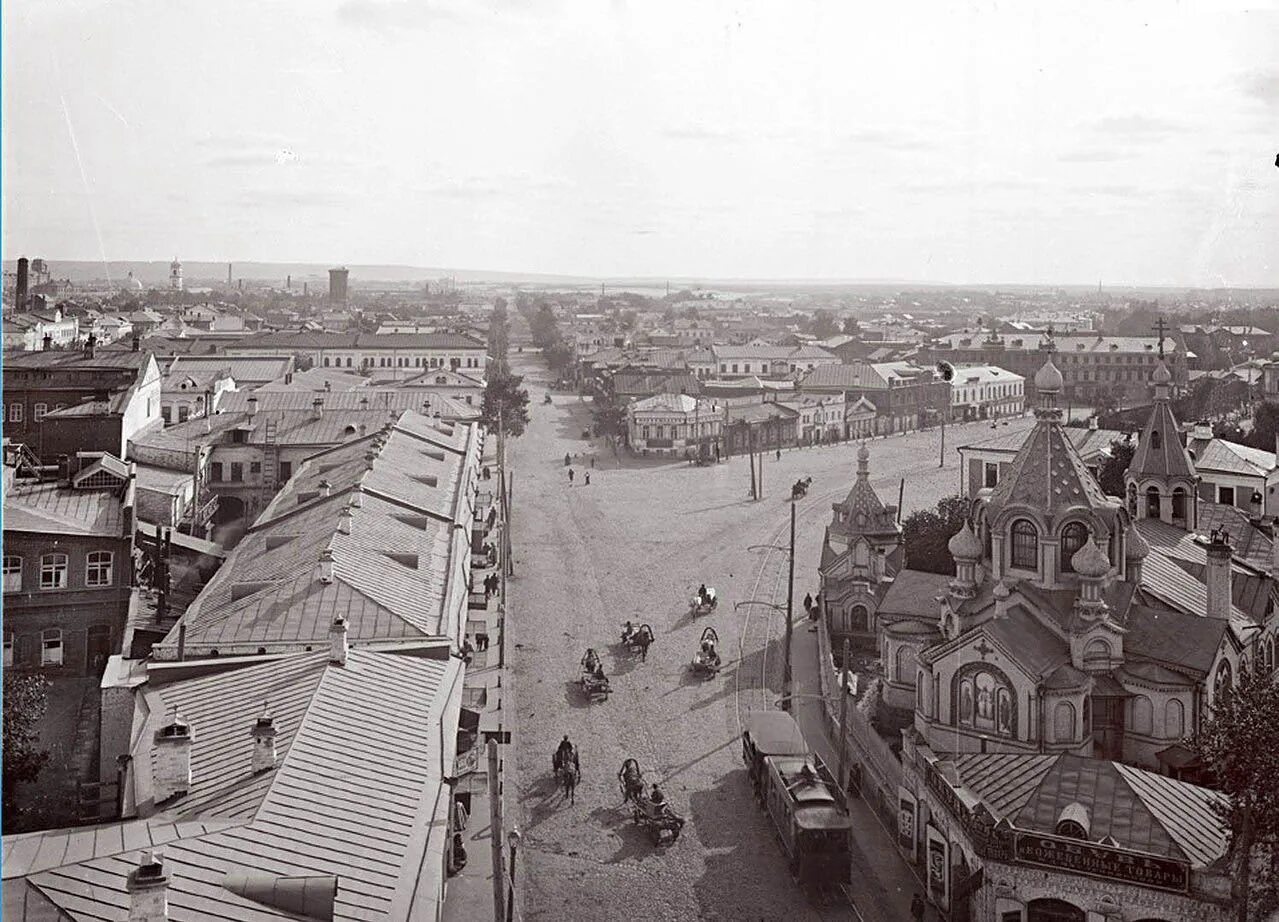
805, 804
769, 733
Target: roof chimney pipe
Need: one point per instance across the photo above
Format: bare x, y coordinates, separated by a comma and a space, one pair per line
148, 888
317, 409
263, 734
326, 565
337, 642
253, 407
1219, 576
171, 776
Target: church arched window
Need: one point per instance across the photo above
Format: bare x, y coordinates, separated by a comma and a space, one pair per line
1152, 503
1179, 505
1025, 545
1223, 682
1063, 722
1156, 440
1073, 537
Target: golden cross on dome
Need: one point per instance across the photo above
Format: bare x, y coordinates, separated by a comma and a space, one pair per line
1159, 328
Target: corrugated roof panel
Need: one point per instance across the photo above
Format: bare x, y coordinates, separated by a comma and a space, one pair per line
1185, 811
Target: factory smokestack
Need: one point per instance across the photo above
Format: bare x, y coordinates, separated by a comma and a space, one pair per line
24, 283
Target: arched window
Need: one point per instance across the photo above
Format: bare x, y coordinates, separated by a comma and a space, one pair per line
859, 619
1179, 505
1025, 545
1097, 655
1243, 668
921, 693
907, 663
1174, 719
1223, 682
1142, 715
1152, 503
1063, 722
1073, 537
1156, 440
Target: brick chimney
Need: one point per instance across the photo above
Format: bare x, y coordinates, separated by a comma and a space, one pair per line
344, 520
263, 734
148, 888
137, 342
252, 407
317, 408
172, 773
326, 488
1219, 575
337, 642
326, 565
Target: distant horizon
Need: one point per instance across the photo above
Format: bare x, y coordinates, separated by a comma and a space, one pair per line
507, 276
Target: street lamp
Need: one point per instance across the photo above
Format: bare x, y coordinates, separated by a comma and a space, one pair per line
513, 842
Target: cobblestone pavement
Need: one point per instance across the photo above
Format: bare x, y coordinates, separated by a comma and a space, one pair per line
634, 544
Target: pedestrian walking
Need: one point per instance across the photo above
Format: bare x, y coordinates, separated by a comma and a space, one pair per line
588, 478
779, 454
481, 640
468, 650
808, 602
570, 476
917, 908
567, 460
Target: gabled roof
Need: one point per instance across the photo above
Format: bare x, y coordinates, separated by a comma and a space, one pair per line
1231, 457
863, 512
394, 556
48, 508
355, 795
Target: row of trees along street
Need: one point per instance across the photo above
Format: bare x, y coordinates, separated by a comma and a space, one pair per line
1239, 741
505, 403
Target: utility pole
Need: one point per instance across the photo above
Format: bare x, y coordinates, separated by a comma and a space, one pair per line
843, 717
495, 834
750, 457
790, 596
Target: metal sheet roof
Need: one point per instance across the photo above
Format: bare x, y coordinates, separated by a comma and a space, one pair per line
48, 508
359, 794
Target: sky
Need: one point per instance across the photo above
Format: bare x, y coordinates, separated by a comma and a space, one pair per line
965, 142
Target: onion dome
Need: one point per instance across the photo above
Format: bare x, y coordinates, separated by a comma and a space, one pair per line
964, 545
1136, 548
1048, 378
1090, 561
1002, 592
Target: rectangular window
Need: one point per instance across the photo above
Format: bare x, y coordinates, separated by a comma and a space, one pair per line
8, 650
17, 412
237, 471
215, 471
255, 467
38, 411
166, 413
97, 571
1226, 496
53, 571
992, 474
286, 470
12, 573
184, 413
51, 647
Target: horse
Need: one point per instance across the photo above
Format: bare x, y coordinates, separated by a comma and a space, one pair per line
568, 774
631, 780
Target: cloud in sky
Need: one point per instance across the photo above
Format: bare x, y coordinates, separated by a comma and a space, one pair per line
548, 135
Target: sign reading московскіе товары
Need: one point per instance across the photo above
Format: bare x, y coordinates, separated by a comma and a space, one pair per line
1101, 861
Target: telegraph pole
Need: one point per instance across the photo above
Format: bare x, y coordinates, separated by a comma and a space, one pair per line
843, 717
495, 834
790, 596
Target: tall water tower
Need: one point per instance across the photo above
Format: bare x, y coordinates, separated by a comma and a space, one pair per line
337, 284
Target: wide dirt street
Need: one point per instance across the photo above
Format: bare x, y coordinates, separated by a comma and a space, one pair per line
634, 544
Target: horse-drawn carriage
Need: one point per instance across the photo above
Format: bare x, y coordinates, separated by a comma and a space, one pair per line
706, 661
799, 489
705, 602
594, 682
637, 640
657, 817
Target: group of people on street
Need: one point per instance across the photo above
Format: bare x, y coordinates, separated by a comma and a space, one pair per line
492, 584
586, 474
